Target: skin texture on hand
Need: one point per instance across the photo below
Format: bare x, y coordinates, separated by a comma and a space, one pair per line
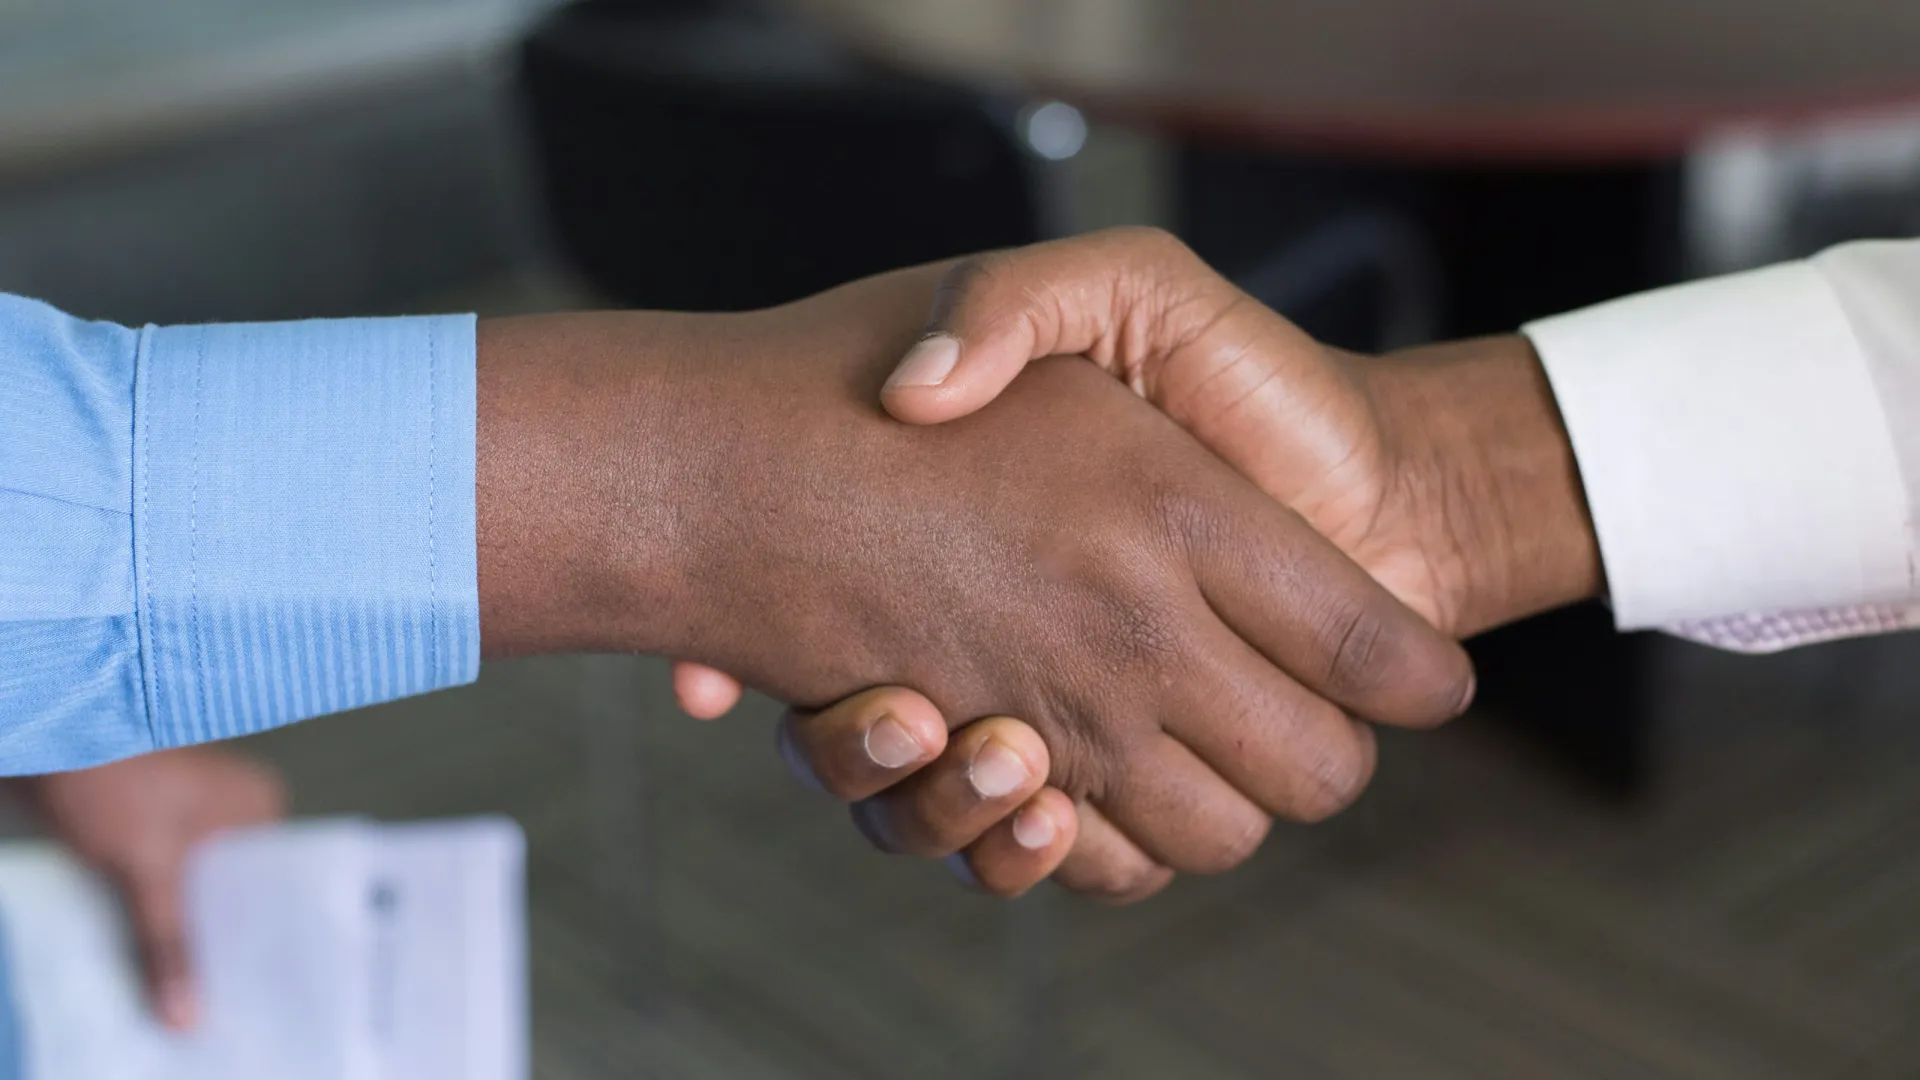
1485, 471
726, 489
1445, 471
136, 821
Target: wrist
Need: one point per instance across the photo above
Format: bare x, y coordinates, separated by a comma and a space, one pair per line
1486, 468
579, 485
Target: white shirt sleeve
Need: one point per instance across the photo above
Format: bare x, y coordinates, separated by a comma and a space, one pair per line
1747, 444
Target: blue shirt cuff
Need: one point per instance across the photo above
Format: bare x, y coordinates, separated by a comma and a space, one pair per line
303, 519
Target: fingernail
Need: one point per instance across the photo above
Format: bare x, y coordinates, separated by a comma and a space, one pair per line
175, 1005
1466, 700
890, 745
1033, 828
997, 771
928, 363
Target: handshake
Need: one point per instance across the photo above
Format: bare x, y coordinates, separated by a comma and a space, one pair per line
1112, 569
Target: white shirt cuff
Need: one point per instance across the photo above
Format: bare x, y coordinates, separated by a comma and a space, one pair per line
1734, 450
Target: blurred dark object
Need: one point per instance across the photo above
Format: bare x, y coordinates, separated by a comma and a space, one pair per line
703, 157
1437, 80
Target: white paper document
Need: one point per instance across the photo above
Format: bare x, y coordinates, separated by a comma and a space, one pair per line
326, 950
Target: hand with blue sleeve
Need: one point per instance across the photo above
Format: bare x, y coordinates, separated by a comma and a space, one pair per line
231, 527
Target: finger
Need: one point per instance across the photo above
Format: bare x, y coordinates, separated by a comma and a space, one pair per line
864, 744
1118, 297
1181, 813
1295, 754
1022, 849
153, 899
989, 770
1293, 596
703, 693
1105, 865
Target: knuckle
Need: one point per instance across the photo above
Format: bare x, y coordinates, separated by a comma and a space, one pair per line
1136, 646
964, 272
1147, 638
1153, 240
1400, 669
1163, 257
1190, 523
970, 277
1087, 757
1354, 640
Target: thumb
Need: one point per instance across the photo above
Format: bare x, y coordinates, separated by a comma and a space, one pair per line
1121, 297
154, 903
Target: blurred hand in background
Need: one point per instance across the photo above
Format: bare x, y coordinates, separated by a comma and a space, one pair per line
135, 821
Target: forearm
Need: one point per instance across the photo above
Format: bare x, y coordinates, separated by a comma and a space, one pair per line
614, 453
579, 503
1488, 467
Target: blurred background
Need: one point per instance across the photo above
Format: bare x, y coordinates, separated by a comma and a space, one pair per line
1636, 858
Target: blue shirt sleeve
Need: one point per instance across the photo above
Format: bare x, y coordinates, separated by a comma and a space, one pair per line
207, 531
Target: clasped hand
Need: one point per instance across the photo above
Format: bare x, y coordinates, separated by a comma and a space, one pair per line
1182, 631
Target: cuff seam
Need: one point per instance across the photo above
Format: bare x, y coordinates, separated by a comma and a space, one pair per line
433, 492
199, 652
142, 544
